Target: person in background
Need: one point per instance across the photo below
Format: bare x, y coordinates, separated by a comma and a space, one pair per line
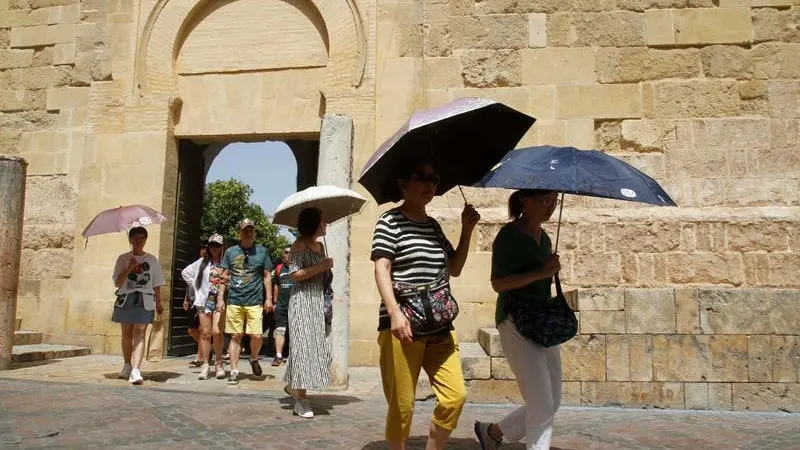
188, 300
138, 278
204, 278
309, 364
247, 266
282, 289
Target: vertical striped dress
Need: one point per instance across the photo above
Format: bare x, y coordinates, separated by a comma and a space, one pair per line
309, 364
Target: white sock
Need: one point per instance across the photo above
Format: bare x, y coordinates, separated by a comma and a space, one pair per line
278, 355
135, 372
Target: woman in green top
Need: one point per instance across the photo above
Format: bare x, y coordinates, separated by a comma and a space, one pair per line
523, 269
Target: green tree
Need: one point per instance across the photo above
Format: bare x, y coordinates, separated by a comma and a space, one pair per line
225, 203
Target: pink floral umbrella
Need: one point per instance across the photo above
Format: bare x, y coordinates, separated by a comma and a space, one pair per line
122, 219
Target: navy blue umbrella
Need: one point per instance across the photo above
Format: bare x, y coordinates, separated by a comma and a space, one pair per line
572, 171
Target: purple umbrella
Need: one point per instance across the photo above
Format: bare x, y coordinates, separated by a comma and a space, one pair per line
462, 139
122, 219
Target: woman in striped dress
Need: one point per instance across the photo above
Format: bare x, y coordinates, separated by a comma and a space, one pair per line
409, 247
309, 361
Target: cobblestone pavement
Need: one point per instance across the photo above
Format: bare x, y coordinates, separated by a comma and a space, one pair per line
41, 410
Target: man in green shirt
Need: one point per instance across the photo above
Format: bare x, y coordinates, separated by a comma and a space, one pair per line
247, 267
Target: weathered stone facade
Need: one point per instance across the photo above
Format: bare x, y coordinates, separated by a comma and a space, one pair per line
695, 307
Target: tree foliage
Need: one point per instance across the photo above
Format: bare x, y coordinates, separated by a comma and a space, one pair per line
225, 203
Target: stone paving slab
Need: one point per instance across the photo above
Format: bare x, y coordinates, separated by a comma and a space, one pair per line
36, 414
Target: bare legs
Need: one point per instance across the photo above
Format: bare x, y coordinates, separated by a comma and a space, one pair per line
127, 341
137, 355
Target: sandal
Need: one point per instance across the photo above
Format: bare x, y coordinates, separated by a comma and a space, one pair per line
196, 363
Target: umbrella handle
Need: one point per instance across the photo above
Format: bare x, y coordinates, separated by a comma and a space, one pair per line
558, 230
462, 194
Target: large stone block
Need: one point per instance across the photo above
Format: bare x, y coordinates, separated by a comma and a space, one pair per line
597, 269
698, 98
766, 397
770, 24
687, 312
537, 30
602, 29
646, 135
50, 200
584, 358
656, 237
650, 310
35, 77
500, 31
632, 64
761, 237
784, 99
489, 338
749, 311
67, 98
696, 395
493, 391
601, 299
633, 394
602, 322
38, 36
621, 101
501, 370
12, 59
490, 68
618, 357
21, 100
475, 363
785, 359
763, 61
700, 358
707, 146
782, 267
706, 268
558, 66
698, 26
720, 396
759, 359
46, 264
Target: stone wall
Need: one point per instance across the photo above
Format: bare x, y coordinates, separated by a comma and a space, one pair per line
692, 307
703, 95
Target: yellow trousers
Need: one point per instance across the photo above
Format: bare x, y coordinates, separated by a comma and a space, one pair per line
400, 367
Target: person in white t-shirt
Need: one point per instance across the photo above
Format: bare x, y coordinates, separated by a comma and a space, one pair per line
138, 278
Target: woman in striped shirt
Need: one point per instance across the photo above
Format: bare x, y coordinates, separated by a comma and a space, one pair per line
409, 247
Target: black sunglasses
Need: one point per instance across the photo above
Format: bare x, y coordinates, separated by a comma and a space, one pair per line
426, 177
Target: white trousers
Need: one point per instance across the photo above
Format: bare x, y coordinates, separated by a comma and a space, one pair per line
538, 372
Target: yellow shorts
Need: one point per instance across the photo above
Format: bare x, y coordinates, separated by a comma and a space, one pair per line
236, 316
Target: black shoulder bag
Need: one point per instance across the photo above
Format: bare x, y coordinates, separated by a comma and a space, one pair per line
547, 323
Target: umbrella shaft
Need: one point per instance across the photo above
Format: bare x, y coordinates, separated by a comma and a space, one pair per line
558, 230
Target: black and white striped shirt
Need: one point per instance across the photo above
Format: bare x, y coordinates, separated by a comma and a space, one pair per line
418, 251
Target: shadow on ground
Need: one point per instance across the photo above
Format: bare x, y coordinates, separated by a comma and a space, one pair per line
418, 443
321, 404
158, 376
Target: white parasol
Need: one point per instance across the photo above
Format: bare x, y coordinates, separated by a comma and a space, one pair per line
335, 203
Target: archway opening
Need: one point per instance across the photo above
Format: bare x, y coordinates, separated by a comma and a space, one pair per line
271, 169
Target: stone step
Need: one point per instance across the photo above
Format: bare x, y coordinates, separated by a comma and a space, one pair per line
489, 338
26, 337
17, 324
477, 365
42, 352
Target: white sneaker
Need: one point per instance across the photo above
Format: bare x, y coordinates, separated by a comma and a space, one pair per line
291, 392
220, 371
125, 373
204, 372
302, 408
136, 377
